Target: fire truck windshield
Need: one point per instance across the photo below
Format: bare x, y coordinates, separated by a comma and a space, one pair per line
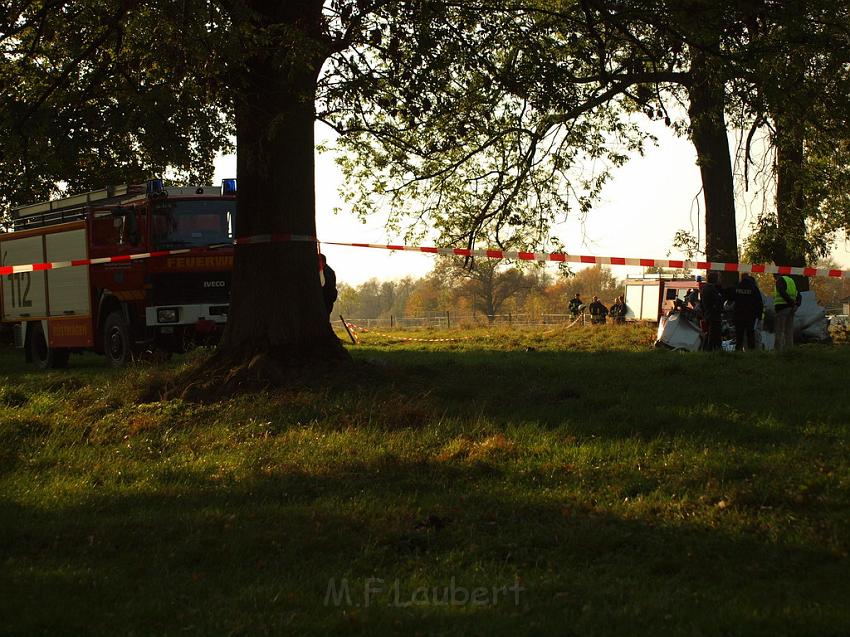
194, 223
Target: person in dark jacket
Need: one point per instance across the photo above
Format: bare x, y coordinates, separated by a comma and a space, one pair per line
329, 292
618, 311
712, 310
748, 309
692, 298
575, 306
598, 312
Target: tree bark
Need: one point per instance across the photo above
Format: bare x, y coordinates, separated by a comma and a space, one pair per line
790, 246
708, 132
790, 110
276, 303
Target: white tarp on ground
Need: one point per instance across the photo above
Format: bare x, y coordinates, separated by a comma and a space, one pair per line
810, 322
677, 332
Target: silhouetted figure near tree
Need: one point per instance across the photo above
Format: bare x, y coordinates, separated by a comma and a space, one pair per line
329, 292
712, 311
575, 306
748, 308
692, 298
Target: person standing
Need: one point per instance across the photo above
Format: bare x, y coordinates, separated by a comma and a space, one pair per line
712, 311
692, 298
329, 292
748, 308
785, 302
618, 311
575, 306
598, 312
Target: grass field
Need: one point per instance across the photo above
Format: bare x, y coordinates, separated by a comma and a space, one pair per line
561, 482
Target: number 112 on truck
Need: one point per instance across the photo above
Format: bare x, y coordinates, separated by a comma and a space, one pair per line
119, 271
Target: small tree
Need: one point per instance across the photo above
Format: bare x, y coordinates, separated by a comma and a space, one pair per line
593, 281
490, 282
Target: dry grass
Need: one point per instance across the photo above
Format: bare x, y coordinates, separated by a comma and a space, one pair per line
627, 490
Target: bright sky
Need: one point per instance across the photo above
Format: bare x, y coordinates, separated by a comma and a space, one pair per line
642, 207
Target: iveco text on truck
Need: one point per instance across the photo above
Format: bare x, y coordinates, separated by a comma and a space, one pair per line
127, 303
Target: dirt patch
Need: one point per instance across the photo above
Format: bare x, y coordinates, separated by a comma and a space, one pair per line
494, 447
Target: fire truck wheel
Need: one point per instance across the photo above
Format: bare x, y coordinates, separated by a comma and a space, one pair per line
116, 339
43, 356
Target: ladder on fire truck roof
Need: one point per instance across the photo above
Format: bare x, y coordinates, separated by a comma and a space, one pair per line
48, 213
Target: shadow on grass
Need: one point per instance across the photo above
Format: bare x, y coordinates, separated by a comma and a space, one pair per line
202, 556
175, 551
748, 399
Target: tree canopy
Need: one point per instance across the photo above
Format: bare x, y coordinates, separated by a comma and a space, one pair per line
796, 86
482, 121
99, 93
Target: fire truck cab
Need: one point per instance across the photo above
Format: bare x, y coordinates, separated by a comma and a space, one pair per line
156, 271
648, 299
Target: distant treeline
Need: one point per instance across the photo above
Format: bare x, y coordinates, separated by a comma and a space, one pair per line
489, 289
485, 290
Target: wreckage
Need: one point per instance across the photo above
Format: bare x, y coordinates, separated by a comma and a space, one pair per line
681, 329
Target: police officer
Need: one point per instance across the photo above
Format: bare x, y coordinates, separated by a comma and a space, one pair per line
748, 308
712, 311
785, 302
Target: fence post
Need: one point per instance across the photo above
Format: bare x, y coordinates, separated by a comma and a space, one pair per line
345, 325
392, 320
448, 320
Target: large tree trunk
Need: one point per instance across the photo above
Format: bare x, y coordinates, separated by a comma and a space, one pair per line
485, 278
708, 133
789, 98
790, 246
276, 305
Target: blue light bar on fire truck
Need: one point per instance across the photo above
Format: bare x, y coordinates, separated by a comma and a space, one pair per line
155, 187
228, 186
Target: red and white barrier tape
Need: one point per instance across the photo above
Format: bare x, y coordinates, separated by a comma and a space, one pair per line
352, 326
123, 258
594, 260
275, 238
560, 257
57, 265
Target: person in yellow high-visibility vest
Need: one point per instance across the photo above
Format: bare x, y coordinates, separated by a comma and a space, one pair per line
786, 298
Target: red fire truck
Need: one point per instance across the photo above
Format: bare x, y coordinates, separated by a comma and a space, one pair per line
121, 307
650, 298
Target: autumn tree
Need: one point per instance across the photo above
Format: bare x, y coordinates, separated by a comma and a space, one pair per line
143, 86
827, 290
375, 299
509, 128
596, 280
797, 90
491, 283
100, 93
173, 69
557, 92
473, 120
721, 59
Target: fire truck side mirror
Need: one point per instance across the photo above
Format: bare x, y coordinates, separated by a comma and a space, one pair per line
131, 224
